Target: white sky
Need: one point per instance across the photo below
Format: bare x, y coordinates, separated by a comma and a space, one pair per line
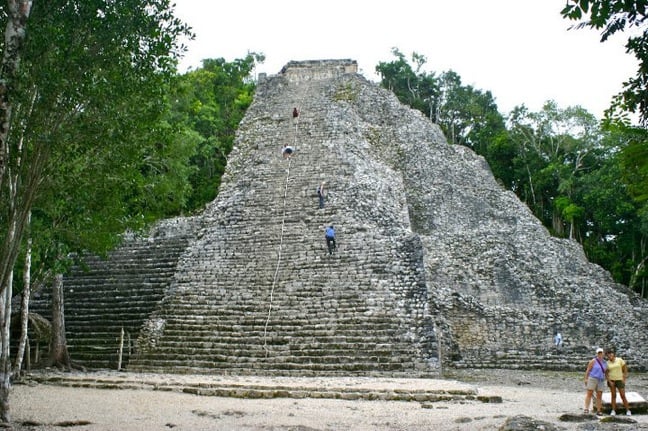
519, 50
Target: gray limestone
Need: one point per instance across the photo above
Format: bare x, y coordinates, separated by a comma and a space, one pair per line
437, 265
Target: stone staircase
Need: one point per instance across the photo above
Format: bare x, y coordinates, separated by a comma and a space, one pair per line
259, 293
565, 359
107, 300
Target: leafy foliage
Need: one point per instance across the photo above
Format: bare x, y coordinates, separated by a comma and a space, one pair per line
611, 17
466, 115
583, 179
94, 153
412, 87
208, 104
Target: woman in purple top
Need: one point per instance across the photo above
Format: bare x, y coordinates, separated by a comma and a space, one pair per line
595, 381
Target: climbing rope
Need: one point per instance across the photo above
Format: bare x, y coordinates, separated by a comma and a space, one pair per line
283, 224
276, 273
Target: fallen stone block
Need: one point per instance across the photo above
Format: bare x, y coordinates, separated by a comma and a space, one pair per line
637, 403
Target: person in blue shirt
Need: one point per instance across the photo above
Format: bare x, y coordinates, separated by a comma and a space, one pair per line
558, 340
595, 381
330, 239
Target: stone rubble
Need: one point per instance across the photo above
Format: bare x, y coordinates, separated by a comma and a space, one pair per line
437, 265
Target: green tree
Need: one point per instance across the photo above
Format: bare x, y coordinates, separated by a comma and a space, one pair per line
633, 166
89, 85
466, 115
413, 87
208, 104
612, 16
139, 184
13, 214
571, 174
553, 147
612, 235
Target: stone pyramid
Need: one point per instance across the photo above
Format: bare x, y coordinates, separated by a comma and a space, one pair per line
436, 264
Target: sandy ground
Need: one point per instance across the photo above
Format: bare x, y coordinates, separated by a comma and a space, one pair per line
544, 396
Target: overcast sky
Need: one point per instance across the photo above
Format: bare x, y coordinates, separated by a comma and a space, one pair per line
519, 50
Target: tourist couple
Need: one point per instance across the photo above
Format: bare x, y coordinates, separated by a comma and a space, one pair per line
610, 369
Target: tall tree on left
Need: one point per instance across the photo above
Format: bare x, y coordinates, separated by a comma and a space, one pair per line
85, 80
17, 15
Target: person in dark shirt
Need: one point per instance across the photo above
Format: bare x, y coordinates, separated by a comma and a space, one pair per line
287, 151
320, 194
330, 239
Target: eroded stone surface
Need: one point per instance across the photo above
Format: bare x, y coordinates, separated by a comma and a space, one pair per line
436, 263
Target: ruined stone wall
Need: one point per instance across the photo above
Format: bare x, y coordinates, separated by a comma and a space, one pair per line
501, 285
317, 70
436, 263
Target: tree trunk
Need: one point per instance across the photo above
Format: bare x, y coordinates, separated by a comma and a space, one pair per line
572, 230
635, 275
14, 36
59, 355
5, 363
24, 308
557, 223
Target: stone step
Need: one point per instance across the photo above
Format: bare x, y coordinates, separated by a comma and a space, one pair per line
253, 349
182, 365
193, 347
259, 386
112, 277
88, 311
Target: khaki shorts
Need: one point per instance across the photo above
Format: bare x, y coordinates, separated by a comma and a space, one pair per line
619, 384
594, 384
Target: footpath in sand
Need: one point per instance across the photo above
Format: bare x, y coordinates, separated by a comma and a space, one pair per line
467, 400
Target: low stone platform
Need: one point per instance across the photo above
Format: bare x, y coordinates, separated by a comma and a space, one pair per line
637, 403
347, 388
